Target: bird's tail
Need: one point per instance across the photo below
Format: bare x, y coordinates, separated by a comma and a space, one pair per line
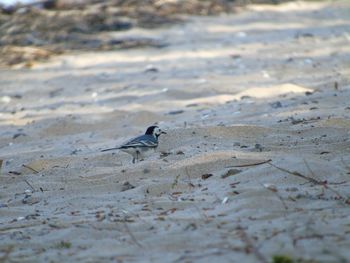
110, 149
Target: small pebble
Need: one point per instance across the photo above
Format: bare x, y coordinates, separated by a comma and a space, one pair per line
258, 147
230, 172
151, 68
206, 176
276, 105
28, 192
292, 189
127, 186
271, 187
175, 112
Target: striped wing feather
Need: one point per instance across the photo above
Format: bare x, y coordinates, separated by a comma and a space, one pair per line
142, 141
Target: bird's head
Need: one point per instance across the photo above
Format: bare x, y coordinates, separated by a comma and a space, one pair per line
154, 131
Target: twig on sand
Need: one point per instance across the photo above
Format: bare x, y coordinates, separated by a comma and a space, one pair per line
275, 191
314, 236
133, 238
250, 246
345, 199
11, 227
29, 184
30, 168
25, 180
311, 180
176, 180
131, 235
189, 178
249, 164
309, 169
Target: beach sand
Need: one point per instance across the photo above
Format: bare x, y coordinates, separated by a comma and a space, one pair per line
255, 163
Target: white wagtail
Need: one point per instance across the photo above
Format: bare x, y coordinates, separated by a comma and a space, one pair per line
140, 145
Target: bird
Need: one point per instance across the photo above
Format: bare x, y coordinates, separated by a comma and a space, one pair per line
139, 146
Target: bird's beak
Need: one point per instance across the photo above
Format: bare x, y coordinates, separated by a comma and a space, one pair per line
163, 132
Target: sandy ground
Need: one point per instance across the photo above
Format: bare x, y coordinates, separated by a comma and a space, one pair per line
269, 83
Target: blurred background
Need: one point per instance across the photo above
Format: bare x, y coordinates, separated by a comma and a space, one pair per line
55, 26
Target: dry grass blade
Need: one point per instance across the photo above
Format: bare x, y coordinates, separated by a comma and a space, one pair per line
30, 168
275, 192
190, 184
250, 246
311, 180
309, 169
133, 238
29, 184
345, 199
176, 181
250, 164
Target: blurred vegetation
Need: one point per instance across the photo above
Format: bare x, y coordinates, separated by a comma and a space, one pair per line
36, 31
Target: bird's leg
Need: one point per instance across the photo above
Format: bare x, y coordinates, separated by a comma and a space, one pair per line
137, 155
133, 160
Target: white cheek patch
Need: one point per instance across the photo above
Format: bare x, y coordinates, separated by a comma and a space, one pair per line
156, 131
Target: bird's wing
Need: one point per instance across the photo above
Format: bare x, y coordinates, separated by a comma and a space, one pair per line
142, 141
